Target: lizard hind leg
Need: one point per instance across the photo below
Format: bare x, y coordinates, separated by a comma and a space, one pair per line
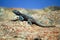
29, 22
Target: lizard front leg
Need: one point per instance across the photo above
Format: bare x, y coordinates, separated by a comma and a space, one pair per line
18, 18
15, 19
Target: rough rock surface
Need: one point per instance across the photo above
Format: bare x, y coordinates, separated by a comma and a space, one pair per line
18, 30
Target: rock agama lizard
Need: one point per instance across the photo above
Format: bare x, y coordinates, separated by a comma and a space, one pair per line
29, 19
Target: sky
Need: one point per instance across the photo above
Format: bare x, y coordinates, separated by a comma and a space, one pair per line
30, 4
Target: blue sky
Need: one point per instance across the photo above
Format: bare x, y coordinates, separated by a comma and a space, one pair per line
31, 4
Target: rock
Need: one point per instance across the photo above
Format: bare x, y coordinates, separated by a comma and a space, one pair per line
23, 31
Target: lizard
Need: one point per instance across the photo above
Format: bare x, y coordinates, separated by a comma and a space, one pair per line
29, 19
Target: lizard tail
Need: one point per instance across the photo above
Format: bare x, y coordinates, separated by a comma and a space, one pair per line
41, 25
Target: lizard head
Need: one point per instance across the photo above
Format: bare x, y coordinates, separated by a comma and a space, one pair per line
16, 12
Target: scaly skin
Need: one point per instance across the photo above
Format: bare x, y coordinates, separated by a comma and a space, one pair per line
30, 20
